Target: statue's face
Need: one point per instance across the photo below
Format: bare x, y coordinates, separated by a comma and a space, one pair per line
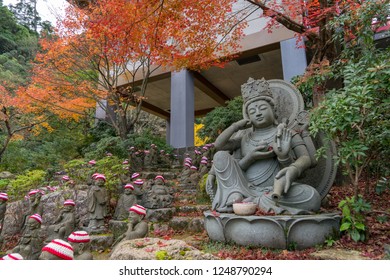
47, 256
134, 218
68, 208
100, 182
261, 114
76, 247
33, 224
128, 191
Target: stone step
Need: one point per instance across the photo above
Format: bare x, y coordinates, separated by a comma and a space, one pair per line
168, 175
192, 208
188, 224
188, 192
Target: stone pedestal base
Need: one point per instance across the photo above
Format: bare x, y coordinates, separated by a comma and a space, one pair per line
279, 232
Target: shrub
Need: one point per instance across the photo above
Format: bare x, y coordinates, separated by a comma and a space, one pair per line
26, 182
220, 118
353, 220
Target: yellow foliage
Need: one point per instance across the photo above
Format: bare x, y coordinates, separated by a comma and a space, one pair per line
199, 141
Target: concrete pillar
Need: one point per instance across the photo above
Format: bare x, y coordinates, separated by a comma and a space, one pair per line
104, 112
182, 110
168, 131
293, 58
101, 109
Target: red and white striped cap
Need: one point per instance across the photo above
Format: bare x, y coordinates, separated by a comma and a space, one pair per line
140, 210
32, 192
205, 148
187, 164
59, 248
198, 152
79, 237
193, 167
135, 175
65, 178
3, 196
203, 161
100, 176
69, 202
138, 182
129, 186
188, 159
92, 162
159, 177
12, 257
36, 217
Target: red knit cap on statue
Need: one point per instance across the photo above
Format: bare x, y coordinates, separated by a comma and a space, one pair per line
3, 196
79, 237
65, 178
59, 248
69, 202
138, 182
140, 210
12, 257
36, 217
129, 186
159, 177
100, 176
32, 192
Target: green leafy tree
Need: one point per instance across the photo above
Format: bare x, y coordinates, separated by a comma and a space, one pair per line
356, 116
26, 13
220, 118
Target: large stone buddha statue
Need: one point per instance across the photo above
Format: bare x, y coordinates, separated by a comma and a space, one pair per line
260, 158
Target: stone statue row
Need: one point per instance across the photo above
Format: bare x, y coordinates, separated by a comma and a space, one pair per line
153, 195
149, 158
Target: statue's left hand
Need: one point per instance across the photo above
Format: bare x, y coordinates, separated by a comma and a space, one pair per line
282, 144
288, 175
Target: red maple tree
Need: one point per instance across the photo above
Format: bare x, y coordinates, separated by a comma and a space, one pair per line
110, 43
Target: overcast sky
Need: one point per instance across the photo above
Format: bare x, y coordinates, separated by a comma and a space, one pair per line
46, 8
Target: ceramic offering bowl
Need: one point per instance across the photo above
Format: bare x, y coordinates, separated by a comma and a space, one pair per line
244, 208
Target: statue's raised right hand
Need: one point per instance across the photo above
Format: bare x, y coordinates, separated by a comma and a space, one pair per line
242, 124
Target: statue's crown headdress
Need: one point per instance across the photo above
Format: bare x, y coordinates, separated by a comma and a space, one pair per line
253, 89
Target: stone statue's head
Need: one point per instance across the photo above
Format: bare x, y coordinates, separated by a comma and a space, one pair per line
136, 213
57, 249
80, 242
254, 90
34, 222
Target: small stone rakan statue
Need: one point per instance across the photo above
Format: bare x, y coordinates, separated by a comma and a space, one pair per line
3, 208
158, 195
31, 243
126, 200
97, 202
260, 159
57, 249
64, 224
80, 242
137, 227
35, 205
